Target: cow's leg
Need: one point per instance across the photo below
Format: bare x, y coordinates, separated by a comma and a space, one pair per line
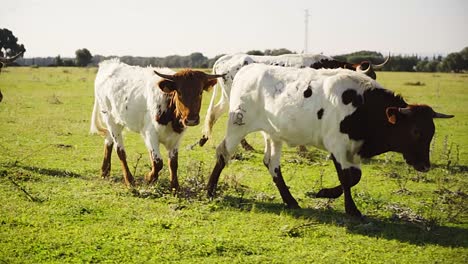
212, 115
267, 153
223, 154
106, 163
150, 138
275, 170
337, 191
115, 131
173, 164
349, 177
156, 166
246, 145
128, 178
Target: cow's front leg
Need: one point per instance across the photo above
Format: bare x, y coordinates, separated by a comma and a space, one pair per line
346, 183
156, 166
337, 191
348, 177
173, 164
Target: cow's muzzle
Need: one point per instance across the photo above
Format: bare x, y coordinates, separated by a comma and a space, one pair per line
192, 122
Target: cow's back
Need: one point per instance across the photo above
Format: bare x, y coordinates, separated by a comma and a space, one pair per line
128, 93
298, 106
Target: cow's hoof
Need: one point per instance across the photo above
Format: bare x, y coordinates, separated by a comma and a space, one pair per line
354, 213
293, 206
202, 141
150, 178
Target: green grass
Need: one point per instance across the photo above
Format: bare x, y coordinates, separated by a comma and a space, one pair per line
55, 208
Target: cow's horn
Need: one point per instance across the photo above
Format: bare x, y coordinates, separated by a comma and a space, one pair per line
360, 68
212, 76
165, 76
439, 115
405, 110
380, 66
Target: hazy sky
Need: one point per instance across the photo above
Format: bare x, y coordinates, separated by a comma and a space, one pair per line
161, 28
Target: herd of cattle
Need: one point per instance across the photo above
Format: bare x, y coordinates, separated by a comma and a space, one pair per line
310, 100
300, 99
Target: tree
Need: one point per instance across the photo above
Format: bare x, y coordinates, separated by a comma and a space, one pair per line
277, 52
58, 61
454, 62
9, 44
255, 52
83, 57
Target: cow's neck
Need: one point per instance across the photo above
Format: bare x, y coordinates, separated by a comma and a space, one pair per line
370, 124
170, 115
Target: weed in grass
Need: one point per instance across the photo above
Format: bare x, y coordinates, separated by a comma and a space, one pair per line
418, 83
54, 99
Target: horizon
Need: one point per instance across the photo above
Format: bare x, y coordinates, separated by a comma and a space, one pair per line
160, 29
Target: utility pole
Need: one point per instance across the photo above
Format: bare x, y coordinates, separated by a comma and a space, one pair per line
306, 31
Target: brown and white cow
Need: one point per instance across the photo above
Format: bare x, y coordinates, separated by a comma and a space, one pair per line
231, 64
343, 112
158, 106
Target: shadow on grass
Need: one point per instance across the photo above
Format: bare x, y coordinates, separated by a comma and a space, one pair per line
44, 171
376, 227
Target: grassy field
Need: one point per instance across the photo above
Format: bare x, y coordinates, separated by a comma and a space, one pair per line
56, 209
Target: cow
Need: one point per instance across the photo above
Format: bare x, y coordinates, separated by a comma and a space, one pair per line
231, 64
343, 112
5, 61
157, 103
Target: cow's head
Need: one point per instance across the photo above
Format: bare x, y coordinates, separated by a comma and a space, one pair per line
187, 87
368, 68
413, 131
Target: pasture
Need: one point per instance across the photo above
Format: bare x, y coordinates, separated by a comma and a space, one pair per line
55, 208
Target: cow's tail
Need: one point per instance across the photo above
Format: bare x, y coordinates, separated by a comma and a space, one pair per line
209, 118
96, 123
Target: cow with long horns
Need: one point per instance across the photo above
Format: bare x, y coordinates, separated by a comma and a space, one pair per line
231, 64
4, 61
340, 111
157, 103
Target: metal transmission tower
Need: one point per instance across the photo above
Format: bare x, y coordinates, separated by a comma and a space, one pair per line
306, 31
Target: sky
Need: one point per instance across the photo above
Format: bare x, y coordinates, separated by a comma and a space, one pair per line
156, 28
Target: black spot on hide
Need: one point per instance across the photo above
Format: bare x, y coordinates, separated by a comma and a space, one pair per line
308, 92
320, 113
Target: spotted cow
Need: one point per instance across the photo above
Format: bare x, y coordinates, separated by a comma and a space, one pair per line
231, 64
343, 112
157, 103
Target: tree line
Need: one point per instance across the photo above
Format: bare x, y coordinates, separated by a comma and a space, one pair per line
453, 62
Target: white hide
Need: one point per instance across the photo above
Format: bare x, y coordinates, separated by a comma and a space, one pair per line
128, 96
231, 64
271, 99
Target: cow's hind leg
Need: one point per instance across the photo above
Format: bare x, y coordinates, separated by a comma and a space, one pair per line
212, 115
115, 131
223, 154
106, 163
273, 164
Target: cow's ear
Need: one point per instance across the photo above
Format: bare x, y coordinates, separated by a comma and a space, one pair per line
392, 114
209, 84
167, 86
